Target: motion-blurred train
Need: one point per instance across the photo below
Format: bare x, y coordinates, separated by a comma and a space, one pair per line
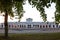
30, 25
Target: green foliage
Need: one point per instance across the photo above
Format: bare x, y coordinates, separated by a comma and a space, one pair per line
9, 4
6, 5
57, 13
40, 4
20, 11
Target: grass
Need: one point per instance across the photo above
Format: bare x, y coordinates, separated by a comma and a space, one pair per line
39, 36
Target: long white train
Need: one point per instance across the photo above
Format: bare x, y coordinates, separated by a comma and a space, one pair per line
30, 25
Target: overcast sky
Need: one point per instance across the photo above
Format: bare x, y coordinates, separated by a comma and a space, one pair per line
34, 14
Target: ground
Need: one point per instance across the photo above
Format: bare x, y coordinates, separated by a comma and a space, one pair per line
37, 36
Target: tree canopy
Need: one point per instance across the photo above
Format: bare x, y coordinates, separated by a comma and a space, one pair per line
57, 12
9, 4
6, 7
40, 4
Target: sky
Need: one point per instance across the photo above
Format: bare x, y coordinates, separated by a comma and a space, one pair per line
34, 14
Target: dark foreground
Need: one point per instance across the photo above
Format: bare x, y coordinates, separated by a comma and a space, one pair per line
39, 36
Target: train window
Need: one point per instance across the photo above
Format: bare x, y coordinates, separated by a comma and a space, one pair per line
22, 26
29, 26
34, 25
43, 26
15, 26
53, 26
18, 25
57, 25
2, 26
40, 26
46, 26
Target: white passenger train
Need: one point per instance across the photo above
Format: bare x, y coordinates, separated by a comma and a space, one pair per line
30, 25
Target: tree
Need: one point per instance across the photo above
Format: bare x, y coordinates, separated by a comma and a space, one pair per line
57, 12
40, 4
6, 7
19, 10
